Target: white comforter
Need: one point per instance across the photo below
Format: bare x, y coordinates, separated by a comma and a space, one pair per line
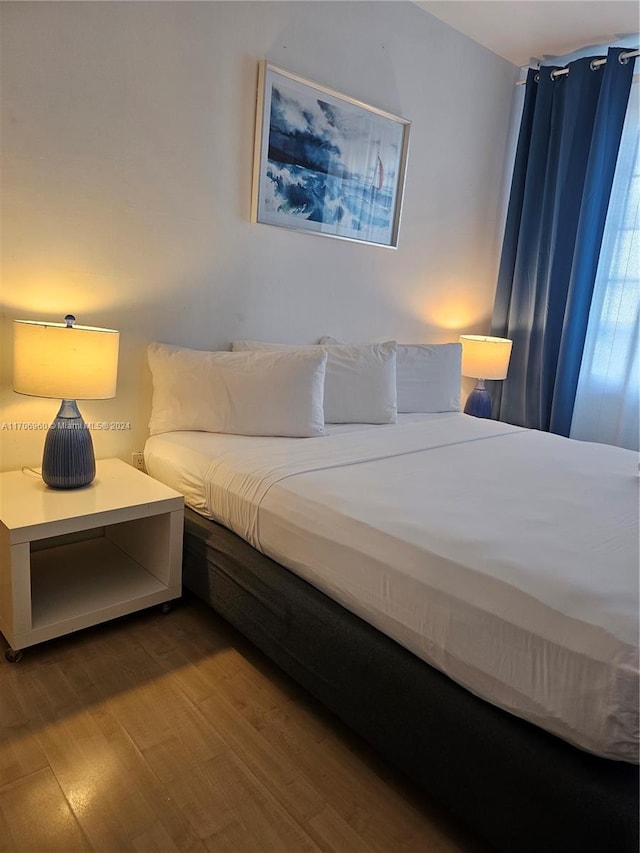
508, 558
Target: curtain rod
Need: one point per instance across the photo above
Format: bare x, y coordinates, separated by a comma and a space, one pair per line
595, 63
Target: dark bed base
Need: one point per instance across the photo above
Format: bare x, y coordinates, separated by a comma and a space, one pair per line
512, 783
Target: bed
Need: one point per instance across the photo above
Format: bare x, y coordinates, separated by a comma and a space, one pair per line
461, 592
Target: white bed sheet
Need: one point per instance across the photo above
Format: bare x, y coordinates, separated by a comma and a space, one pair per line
507, 558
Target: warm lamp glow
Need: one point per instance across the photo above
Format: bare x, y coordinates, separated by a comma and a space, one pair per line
73, 363
485, 357
66, 362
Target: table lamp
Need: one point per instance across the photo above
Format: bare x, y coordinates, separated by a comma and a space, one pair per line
73, 363
484, 357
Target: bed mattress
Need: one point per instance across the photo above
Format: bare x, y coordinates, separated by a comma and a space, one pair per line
507, 558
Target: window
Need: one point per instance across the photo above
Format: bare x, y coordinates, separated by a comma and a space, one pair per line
608, 397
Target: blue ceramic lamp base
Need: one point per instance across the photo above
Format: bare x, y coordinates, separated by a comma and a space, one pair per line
68, 461
478, 402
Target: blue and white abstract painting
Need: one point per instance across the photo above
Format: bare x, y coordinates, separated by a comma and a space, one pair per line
329, 165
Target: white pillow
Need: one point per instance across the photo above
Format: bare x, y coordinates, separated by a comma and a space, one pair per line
428, 376
246, 393
360, 384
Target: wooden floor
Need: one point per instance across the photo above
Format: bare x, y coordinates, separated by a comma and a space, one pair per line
171, 732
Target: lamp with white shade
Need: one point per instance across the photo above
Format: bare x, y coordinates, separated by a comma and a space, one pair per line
483, 357
72, 363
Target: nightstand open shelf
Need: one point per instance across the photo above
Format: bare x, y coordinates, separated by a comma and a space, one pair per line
64, 593
70, 560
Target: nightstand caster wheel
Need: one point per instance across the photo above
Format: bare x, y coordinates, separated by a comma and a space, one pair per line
166, 607
13, 656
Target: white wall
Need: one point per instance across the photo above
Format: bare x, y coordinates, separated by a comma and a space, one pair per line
127, 131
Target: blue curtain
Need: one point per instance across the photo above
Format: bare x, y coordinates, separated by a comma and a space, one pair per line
565, 161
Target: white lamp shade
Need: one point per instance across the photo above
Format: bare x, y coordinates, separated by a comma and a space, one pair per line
66, 362
485, 357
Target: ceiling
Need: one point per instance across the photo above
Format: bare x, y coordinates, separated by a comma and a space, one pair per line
520, 30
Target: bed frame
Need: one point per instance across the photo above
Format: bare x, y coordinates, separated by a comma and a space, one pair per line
517, 786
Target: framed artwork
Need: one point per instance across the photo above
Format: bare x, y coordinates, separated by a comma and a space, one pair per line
325, 163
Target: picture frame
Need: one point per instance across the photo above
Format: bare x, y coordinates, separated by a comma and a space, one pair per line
325, 163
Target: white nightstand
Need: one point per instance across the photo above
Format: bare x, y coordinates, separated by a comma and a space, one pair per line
71, 559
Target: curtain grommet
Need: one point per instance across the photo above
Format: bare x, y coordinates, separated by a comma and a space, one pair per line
536, 79
594, 65
623, 58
